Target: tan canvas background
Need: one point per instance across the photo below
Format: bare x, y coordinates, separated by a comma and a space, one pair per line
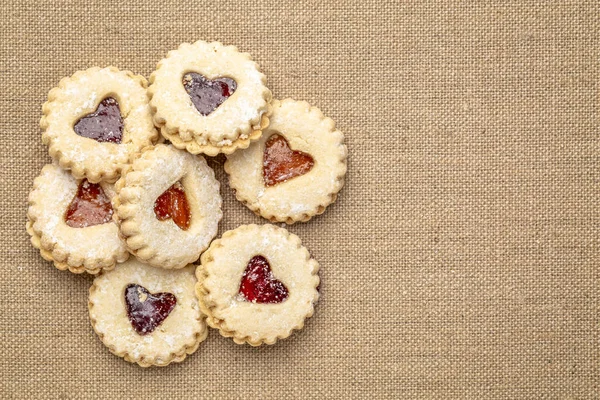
461, 260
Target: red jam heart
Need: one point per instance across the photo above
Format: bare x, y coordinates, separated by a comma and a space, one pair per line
208, 94
259, 285
173, 204
146, 311
281, 163
89, 207
103, 125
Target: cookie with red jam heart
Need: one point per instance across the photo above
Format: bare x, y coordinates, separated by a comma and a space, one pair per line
96, 120
71, 222
295, 170
149, 316
257, 284
209, 98
168, 206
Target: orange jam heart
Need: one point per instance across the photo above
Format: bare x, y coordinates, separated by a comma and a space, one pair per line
173, 204
259, 285
103, 125
89, 207
281, 163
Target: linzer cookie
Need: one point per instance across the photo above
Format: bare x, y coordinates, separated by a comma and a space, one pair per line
257, 284
95, 120
71, 222
149, 316
209, 98
295, 170
116, 188
168, 206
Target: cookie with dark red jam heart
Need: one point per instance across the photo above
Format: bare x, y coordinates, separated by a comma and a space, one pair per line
257, 284
70, 221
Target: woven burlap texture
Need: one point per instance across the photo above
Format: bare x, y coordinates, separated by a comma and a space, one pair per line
462, 257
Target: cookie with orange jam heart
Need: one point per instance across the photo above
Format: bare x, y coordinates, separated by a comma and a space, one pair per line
257, 284
149, 316
96, 120
169, 206
71, 222
295, 170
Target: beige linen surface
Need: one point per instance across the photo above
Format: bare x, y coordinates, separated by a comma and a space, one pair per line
462, 257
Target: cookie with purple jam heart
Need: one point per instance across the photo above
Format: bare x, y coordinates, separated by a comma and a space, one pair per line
71, 222
149, 316
95, 120
209, 98
295, 170
257, 284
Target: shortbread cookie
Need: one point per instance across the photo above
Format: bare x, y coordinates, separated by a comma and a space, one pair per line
71, 222
147, 315
209, 98
295, 170
95, 120
257, 284
169, 206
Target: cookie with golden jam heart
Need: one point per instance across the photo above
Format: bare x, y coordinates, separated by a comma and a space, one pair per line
147, 315
71, 222
257, 284
295, 170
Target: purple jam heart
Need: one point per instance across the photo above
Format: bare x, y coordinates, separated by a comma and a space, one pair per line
146, 311
103, 125
207, 94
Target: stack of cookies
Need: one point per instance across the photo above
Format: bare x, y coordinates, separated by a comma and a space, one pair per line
130, 198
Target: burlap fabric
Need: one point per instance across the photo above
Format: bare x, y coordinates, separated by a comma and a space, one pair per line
462, 257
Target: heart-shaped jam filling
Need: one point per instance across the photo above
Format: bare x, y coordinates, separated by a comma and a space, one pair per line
207, 94
173, 204
281, 163
259, 285
103, 125
89, 207
146, 311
